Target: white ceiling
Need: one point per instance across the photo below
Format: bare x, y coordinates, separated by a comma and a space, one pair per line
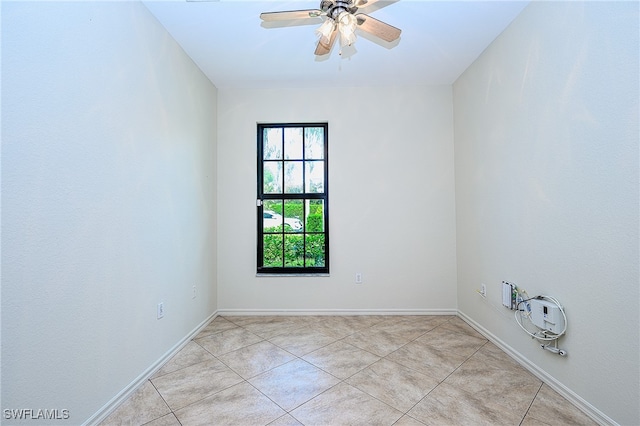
229, 42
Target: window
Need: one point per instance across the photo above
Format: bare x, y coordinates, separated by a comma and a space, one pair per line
293, 203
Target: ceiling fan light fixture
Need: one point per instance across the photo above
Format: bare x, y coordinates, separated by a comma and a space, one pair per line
347, 19
325, 30
347, 25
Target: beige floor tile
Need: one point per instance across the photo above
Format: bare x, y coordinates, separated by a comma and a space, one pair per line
448, 405
242, 320
345, 405
407, 327
228, 340
505, 387
360, 322
217, 325
285, 420
191, 354
334, 326
293, 383
405, 370
491, 356
378, 342
396, 318
168, 420
551, 408
444, 339
459, 326
187, 385
408, 421
274, 326
341, 359
143, 406
439, 319
530, 421
255, 359
302, 340
393, 384
311, 320
301, 320
239, 405
427, 359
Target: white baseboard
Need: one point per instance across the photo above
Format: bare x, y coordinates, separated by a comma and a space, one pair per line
123, 395
294, 312
591, 411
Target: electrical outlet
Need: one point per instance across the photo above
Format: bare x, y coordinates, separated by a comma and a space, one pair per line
358, 277
193, 292
483, 290
160, 310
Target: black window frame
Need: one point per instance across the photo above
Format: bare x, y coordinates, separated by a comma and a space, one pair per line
262, 196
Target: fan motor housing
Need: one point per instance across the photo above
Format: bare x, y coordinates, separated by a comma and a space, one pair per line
333, 8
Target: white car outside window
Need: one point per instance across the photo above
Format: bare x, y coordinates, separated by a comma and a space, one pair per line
272, 219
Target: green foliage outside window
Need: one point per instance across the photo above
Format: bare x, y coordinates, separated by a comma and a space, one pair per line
297, 252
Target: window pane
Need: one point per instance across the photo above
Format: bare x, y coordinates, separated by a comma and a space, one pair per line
293, 177
293, 143
293, 250
272, 144
314, 176
315, 250
272, 216
272, 178
315, 216
314, 143
293, 214
272, 250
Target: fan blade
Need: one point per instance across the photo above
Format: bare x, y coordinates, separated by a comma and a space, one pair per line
324, 48
378, 28
363, 3
290, 15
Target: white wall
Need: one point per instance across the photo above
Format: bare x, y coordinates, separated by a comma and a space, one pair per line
108, 201
546, 160
391, 195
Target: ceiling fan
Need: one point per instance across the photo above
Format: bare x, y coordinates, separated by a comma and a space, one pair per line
340, 18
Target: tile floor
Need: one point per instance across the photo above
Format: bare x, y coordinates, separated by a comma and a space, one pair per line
343, 370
